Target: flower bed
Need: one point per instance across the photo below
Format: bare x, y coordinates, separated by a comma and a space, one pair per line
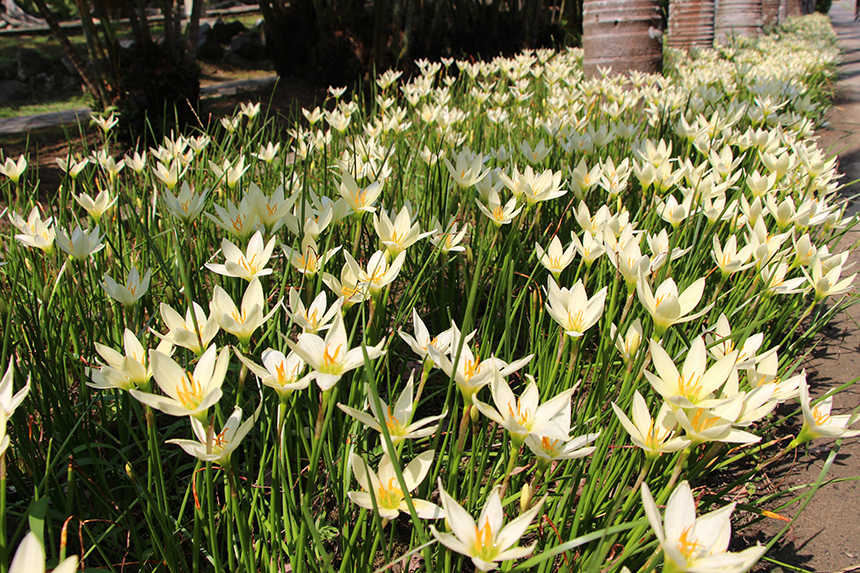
536, 305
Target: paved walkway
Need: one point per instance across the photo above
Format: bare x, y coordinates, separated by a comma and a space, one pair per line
826, 537
29, 123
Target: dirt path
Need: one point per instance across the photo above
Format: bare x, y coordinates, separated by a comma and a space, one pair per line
826, 538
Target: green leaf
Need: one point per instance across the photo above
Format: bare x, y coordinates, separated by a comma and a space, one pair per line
36, 516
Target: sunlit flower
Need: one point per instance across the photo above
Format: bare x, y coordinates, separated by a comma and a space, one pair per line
715, 422
697, 545
316, 317
228, 172
105, 123
827, 283
398, 421
8, 402
497, 213
347, 288
628, 345
400, 234
486, 542
525, 416
308, 260
71, 166
184, 332
422, 338
331, 357
239, 220
555, 258
248, 265
378, 273
448, 240
383, 490
729, 259
133, 289
35, 233
696, 384
129, 370
817, 421
241, 322
666, 306
572, 309
469, 169
655, 436
187, 394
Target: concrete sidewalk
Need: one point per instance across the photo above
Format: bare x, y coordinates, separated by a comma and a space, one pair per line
26, 124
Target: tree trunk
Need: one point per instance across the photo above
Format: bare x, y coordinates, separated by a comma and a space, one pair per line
622, 34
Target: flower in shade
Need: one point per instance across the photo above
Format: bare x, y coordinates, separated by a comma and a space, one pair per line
129, 293
487, 542
696, 544
383, 487
187, 393
217, 447
30, 558
81, 244
13, 169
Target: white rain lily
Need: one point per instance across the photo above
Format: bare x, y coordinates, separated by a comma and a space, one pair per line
819, 423
696, 384
74, 167
696, 544
243, 321
331, 357
279, 372
628, 345
14, 169
273, 211
129, 293
308, 260
187, 394
655, 436
729, 259
572, 309
187, 206
30, 558
666, 306
525, 416
448, 240
347, 288
8, 402
827, 283
715, 422
766, 373
469, 169
239, 220
588, 248
184, 332
497, 213
248, 265
35, 233
555, 258
422, 338
217, 447
360, 199
378, 274
383, 491
398, 421
317, 316
129, 370
228, 172
400, 234
81, 244
486, 542
96, 207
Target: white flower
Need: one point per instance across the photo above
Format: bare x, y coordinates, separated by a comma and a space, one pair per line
278, 371
332, 358
129, 293
666, 306
241, 322
184, 332
81, 244
655, 436
487, 542
384, 489
187, 206
817, 421
696, 385
399, 421
555, 258
697, 545
14, 169
248, 265
30, 558
572, 309
217, 447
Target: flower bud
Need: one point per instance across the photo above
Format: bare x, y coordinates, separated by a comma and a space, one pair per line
525, 497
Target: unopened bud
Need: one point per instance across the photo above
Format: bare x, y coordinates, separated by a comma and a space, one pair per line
525, 498
474, 413
46, 293
168, 294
